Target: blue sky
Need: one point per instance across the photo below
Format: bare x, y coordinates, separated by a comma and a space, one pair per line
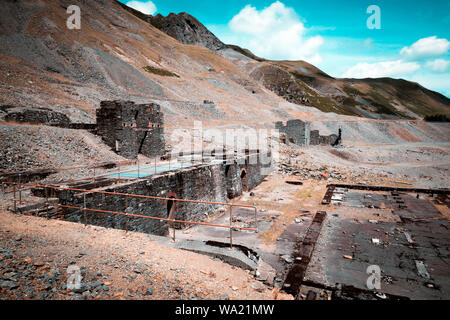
412, 42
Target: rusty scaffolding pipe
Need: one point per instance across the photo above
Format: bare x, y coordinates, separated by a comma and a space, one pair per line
231, 227
14, 200
131, 195
156, 218
84, 210
46, 202
3, 195
127, 214
256, 221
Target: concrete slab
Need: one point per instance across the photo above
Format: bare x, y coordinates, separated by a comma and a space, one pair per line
413, 253
235, 256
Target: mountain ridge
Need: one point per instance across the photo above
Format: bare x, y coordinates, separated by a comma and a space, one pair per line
118, 54
301, 83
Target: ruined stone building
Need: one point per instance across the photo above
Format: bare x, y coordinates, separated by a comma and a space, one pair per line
317, 139
299, 132
130, 129
296, 131
216, 181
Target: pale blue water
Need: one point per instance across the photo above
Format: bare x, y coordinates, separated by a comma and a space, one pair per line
147, 170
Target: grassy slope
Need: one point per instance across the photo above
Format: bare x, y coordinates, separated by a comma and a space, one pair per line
382, 94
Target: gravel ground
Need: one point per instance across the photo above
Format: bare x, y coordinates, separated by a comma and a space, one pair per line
35, 254
421, 165
28, 147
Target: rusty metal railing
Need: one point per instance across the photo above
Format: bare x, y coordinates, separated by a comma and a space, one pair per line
84, 209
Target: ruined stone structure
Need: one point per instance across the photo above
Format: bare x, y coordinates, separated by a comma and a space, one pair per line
317, 139
299, 132
130, 129
215, 182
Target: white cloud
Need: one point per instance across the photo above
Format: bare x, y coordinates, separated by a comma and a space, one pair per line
275, 32
438, 65
426, 48
382, 69
146, 7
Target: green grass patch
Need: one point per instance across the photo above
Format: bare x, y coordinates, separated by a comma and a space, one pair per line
160, 72
324, 103
350, 90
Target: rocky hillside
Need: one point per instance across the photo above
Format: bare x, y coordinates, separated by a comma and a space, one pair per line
384, 98
186, 29
120, 54
117, 55
301, 83
52, 77
183, 27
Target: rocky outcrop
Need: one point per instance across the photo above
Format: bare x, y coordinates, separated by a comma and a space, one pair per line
35, 115
186, 29
281, 82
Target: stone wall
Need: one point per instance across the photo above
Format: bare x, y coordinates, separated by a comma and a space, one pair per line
297, 131
315, 137
130, 129
204, 183
37, 115
208, 182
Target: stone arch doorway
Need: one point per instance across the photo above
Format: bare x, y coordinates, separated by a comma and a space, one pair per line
244, 180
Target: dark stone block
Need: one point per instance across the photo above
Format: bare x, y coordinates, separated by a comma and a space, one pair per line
130, 129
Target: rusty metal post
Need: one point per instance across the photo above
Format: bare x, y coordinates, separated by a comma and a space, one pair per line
256, 213
3, 196
84, 206
138, 166
20, 189
46, 202
173, 219
14, 200
231, 226
126, 212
